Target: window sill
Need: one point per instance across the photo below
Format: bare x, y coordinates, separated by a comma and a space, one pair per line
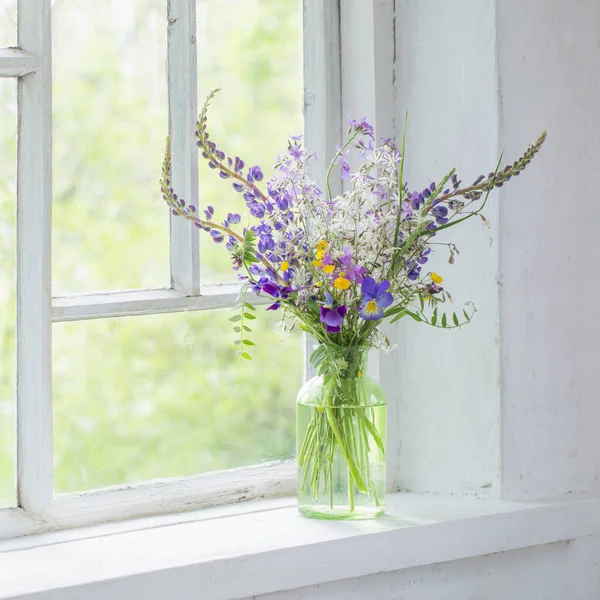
261, 547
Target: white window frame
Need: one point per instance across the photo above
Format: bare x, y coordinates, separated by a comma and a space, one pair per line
38, 509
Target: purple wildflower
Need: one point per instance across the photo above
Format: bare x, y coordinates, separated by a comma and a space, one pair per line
413, 270
361, 126
353, 272
296, 152
331, 315
279, 293
375, 298
255, 173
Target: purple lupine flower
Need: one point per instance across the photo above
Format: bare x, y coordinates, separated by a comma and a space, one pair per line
415, 200
413, 270
209, 212
234, 218
231, 243
256, 173
331, 315
238, 187
423, 257
375, 298
265, 242
440, 212
361, 126
256, 210
217, 236
282, 202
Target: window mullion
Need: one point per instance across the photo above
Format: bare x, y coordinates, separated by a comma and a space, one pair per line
322, 97
183, 113
34, 199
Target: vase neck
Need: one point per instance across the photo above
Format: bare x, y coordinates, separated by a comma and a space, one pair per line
347, 362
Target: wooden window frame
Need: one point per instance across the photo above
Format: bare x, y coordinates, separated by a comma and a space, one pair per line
37, 507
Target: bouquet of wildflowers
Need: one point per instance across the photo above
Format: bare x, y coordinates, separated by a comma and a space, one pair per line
339, 266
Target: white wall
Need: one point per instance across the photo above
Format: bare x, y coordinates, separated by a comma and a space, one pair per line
549, 58
446, 79
530, 574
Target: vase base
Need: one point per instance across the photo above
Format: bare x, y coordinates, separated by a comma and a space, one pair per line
324, 511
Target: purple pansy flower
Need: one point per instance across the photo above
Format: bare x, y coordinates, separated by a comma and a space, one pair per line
277, 292
375, 299
332, 315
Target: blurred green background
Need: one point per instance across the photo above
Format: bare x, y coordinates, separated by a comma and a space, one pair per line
158, 396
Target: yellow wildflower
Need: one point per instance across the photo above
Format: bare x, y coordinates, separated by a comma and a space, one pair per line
317, 263
329, 269
322, 246
427, 298
359, 373
320, 408
285, 265
341, 283
320, 254
436, 278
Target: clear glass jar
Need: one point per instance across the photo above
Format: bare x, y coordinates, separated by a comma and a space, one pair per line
341, 430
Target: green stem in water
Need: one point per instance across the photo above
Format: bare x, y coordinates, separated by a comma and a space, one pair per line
360, 484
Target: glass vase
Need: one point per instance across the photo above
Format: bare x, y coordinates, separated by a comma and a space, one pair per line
341, 430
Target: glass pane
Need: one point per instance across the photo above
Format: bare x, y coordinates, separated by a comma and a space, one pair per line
256, 60
8, 160
138, 398
8, 23
110, 122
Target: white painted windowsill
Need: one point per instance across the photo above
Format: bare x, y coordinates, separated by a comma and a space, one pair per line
261, 547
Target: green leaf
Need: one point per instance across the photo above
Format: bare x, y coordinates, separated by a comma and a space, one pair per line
455, 319
237, 342
246, 356
422, 302
235, 318
237, 329
434, 317
249, 343
398, 317
415, 316
303, 327
246, 328
248, 305
249, 316
444, 320
466, 315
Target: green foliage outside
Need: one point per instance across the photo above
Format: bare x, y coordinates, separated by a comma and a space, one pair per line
157, 396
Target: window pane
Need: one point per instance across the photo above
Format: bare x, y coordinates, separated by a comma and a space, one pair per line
8, 136
138, 398
110, 123
256, 58
8, 23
